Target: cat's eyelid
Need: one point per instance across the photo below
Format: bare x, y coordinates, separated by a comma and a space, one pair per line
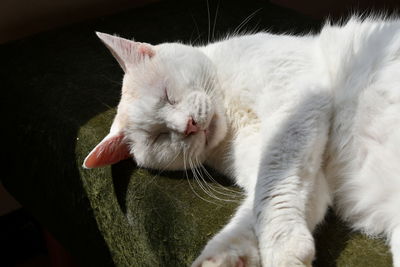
170, 101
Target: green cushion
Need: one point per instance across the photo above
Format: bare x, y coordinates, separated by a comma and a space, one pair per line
148, 217
60, 90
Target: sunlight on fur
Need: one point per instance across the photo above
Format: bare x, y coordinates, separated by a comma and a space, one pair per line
300, 123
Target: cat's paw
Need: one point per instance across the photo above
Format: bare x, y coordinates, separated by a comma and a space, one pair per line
223, 260
223, 251
294, 249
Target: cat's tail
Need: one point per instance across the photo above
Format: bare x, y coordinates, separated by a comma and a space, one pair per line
355, 52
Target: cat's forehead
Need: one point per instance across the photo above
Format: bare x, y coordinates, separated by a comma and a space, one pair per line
174, 65
175, 51
181, 57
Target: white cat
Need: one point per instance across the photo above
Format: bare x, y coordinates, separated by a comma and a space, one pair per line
295, 120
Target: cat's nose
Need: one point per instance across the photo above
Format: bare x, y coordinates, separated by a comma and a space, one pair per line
191, 127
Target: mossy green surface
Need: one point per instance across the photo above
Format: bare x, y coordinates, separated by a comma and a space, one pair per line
147, 218
60, 89
338, 246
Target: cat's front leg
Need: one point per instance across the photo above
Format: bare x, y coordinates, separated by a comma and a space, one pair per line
285, 238
235, 245
286, 205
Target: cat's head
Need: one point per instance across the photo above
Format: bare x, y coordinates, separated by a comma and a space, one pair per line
170, 112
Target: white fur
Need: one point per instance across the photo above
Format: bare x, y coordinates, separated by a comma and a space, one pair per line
293, 120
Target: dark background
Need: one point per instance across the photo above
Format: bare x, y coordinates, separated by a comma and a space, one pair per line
65, 75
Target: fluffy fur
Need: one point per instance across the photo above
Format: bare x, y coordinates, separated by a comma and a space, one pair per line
296, 121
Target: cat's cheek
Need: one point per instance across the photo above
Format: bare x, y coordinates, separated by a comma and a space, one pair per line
216, 131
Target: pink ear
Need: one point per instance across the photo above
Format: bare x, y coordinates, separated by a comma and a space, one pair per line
125, 51
110, 150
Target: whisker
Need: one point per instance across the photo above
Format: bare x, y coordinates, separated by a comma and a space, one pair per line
209, 20
235, 194
209, 176
204, 187
215, 20
197, 178
187, 177
110, 80
197, 29
210, 188
244, 22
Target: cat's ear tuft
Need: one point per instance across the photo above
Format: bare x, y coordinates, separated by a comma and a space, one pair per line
112, 149
125, 51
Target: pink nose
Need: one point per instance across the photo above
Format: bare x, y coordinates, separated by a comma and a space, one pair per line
191, 127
